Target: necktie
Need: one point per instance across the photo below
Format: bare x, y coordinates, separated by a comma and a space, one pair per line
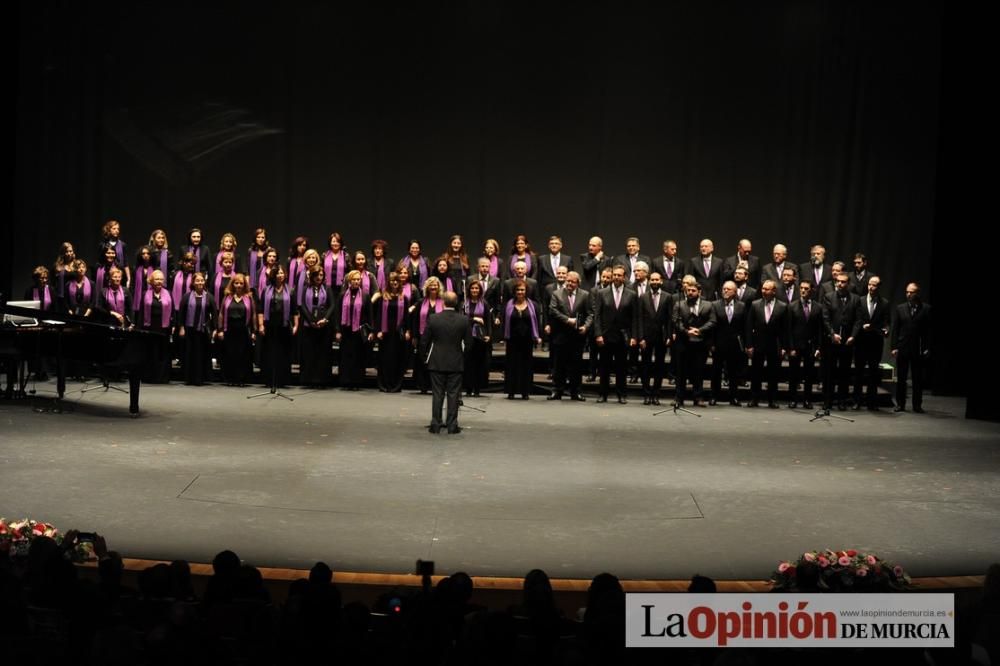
729, 312
739, 292
871, 307
790, 293
708, 267
555, 263
818, 272
618, 297
670, 268
805, 308
767, 313
656, 301
572, 300
642, 290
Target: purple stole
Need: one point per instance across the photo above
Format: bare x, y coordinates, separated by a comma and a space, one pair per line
119, 252
510, 312
196, 251
182, 285
45, 298
380, 274
301, 286
286, 301
494, 266
328, 267
163, 259
192, 305
218, 261
296, 269
141, 274
400, 308
262, 281
247, 304
102, 274
446, 282
407, 292
527, 263
318, 297
420, 270
424, 307
354, 315
147, 308
118, 304
253, 264
73, 289
366, 283
478, 311
219, 277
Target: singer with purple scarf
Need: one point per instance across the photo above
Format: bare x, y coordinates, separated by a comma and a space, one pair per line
522, 331
277, 323
317, 307
353, 332
196, 327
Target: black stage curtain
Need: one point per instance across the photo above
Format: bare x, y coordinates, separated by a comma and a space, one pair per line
794, 122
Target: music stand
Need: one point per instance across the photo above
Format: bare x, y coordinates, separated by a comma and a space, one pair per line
825, 414
675, 407
273, 392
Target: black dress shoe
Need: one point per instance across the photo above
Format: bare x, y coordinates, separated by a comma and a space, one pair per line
735, 403
555, 396
524, 397
475, 394
622, 400
602, 398
434, 429
918, 410
899, 408
696, 403
656, 401
455, 430
873, 408
842, 406
646, 400
857, 407
793, 405
713, 402
807, 405
578, 397
772, 404
753, 403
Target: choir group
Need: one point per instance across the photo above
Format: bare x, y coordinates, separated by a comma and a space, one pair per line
658, 318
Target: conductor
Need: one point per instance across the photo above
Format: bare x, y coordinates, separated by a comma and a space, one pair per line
442, 345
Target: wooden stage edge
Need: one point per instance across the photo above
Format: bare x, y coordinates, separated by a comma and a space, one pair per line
486, 583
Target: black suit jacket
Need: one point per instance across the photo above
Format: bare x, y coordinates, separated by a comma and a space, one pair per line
671, 284
782, 295
444, 342
771, 272
911, 333
653, 324
838, 317
508, 290
590, 269
623, 260
749, 295
753, 266
711, 283
685, 317
764, 334
805, 334
492, 293
879, 319
729, 335
611, 322
545, 274
859, 285
559, 314
806, 272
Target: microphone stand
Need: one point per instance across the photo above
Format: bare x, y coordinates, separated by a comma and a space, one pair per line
274, 392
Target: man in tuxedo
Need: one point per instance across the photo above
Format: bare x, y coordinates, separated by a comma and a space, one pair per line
707, 270
773, 270
692, 326
548, 265
745, 294
838, 343
805, 339
443, 346
728, 352
766, 342
520, 273
788, 292
553, 287
670, 267
594, 357
816, 270
910, 345
871, 327
591, 264
613, 323
743, 257
570, 319
653, 334
828, 289
859, 276
629, 259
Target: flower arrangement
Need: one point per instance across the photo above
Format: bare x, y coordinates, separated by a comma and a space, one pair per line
840, 571
16, 537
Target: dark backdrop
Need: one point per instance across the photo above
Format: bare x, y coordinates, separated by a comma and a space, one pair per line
794, 122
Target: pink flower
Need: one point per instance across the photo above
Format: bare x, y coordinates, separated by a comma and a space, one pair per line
783, 567
808, 557
871, 560
823, 562
861, 571
844, 561
852, 553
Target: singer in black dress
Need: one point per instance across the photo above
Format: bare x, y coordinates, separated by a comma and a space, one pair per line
235, 332
393, 334
522, 333
156, 315
317, 307
353, 332
477, 356
195, 327
277, 323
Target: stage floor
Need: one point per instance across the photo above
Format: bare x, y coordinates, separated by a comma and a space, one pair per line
355, 479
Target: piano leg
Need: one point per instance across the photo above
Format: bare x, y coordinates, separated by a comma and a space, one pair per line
133, 391
60, 377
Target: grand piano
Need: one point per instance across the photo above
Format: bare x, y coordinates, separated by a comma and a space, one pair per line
66, 338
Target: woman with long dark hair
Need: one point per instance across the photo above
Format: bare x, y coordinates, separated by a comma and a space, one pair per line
393, 334
477, 356
255, 256
336, 264
62, 272
317, 307
163, 258
144, 267
277, 323
417, 265
380, 264
202, 254
296, 261
102, 269
458, 261
521, 251
111, 238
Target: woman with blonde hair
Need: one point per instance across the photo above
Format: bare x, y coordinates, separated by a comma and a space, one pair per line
353, 332
235, 332
226, 244
160, 248
420, 312
393, 334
